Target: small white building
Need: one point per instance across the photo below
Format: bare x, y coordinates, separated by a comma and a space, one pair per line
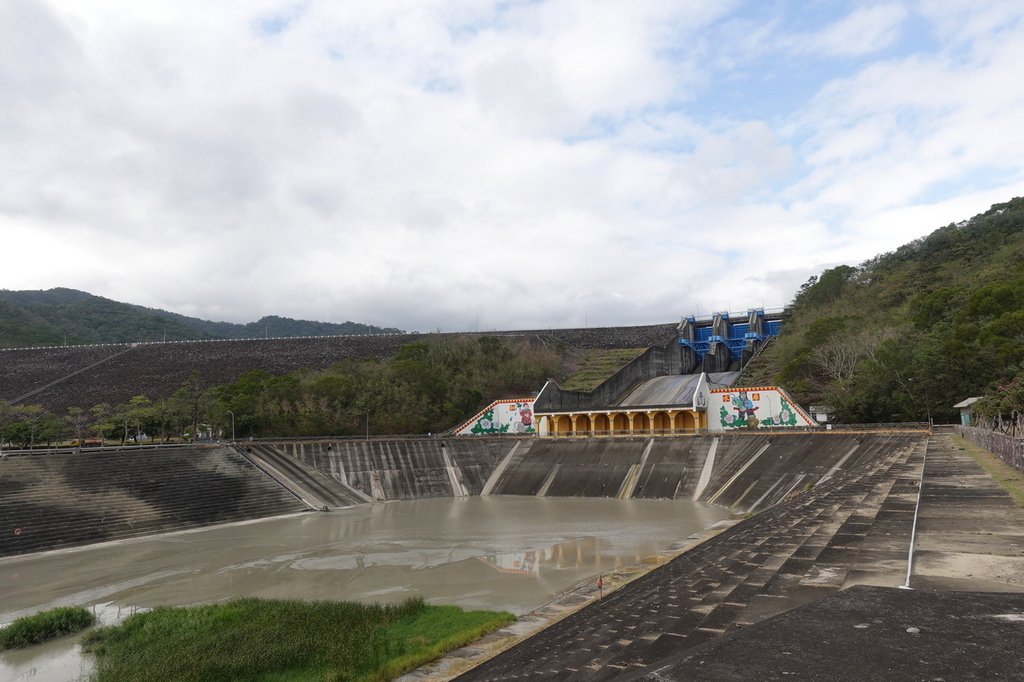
966, 411
823, 414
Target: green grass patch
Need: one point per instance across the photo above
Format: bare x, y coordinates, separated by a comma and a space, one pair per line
46, 625
1003, 474
260, 639
597, 365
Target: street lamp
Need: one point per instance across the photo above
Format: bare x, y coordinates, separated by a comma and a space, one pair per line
232, 425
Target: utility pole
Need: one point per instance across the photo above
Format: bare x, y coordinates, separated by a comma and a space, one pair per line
232, 425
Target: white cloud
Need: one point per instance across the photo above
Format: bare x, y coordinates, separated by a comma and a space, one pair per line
533, 164
864, 31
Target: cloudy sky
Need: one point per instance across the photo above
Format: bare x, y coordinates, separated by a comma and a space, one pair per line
471, 164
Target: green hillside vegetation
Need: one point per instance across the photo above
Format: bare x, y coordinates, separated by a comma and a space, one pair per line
50, 317
21, 327
906, 335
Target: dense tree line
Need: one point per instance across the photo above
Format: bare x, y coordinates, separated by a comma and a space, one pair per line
428, 386
908, 334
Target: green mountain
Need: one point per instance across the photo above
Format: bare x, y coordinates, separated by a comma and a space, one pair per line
908, 334
29, 318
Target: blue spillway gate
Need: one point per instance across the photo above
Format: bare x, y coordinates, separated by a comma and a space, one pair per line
739, 334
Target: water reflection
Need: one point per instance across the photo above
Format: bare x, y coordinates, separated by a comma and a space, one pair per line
496, 552
585, 554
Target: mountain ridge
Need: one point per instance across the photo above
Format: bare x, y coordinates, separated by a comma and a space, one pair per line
63, 315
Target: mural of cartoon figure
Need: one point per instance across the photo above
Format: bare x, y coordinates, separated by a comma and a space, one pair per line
526, 416
745, 409
504, 417
522, 422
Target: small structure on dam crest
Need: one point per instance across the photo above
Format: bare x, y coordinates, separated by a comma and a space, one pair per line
701, 408
671, 389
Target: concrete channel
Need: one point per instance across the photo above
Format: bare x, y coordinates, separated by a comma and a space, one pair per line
813, 515
852, 530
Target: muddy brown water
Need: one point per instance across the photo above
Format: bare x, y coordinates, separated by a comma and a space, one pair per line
511, 553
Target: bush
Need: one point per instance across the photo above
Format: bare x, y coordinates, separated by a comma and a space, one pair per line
262, 639
40, 627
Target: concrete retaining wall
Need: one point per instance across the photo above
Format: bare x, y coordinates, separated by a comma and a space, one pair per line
746, 472
62, 500
405, 469
654, 362
55, 500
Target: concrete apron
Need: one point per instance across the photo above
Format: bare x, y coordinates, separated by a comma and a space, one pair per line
970, 532
460, 660
970, 537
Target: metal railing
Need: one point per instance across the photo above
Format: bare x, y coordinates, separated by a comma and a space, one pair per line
86, 449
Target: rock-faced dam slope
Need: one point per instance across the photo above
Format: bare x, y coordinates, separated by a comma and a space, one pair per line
59, 377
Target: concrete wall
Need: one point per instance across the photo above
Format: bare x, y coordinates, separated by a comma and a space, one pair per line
49, 501
502, 416
68, 499
744, 472
654, 362
404, 469
756, 407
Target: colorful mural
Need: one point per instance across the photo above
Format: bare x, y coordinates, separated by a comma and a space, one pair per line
501, 416
526, 562
753, 408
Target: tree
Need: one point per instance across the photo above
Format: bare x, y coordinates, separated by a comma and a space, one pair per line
102, 418
167, 418
5, 421
133, 416
195, 401
78, 421
32, 424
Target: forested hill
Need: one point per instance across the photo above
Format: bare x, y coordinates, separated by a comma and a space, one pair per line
29, 318
910, 333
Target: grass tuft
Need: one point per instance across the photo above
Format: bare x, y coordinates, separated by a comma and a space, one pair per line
260, 639
44, 626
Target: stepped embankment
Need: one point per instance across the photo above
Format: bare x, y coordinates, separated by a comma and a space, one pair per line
742, 471
853, 529
406, 469
919, 636
54, 500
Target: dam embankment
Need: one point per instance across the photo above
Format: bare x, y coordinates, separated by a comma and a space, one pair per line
743, 472
66, 499
73, 498
811, 545
857, 528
